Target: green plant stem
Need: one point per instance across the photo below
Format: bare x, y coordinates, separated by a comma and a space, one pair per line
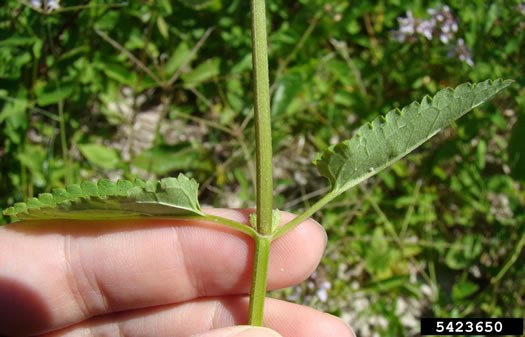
510, 262
260, 273
263, 131
63, 141
315, 207
264, 184
229, 223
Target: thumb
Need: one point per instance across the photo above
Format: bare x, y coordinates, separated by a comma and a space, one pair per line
240, 331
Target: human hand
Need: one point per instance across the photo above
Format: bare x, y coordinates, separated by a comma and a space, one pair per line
152, 277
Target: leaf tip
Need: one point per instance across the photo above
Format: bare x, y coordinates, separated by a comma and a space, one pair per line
318, 158
427, 100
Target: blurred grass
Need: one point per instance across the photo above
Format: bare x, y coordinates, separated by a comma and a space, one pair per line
149, 89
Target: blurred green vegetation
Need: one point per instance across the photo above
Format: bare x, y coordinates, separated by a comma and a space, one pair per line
152, 88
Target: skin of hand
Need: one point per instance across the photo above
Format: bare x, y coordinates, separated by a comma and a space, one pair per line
152, 277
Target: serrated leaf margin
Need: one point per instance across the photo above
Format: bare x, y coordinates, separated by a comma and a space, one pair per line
335, 163
131, 198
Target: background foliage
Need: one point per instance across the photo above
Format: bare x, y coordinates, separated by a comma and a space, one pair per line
152, 88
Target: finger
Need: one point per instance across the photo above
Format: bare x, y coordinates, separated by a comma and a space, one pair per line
202, 317
72, 272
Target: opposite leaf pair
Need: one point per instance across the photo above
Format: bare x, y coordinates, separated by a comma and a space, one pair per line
375, 146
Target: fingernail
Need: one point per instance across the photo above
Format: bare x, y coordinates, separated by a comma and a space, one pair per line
322, 230
258, 332
345, 323
240, 331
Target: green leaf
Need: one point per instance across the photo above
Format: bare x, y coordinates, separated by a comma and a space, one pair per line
163, 27
99, 155
197, 4
52, 93
379, 256
17, 40
464, 252
33, 157
119, 73
464, 288
169, 197
287, 89
177, 58
165, 159
204, 72
387, 139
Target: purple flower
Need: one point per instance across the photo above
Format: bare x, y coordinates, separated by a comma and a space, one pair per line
441, 24
521, 8
462, 52
322, 295
426, 28
51, 4
322, 292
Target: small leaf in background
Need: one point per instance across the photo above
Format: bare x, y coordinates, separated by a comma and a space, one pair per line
379, 255
341, 72
242, 65
463, 288
33, 158
204, 72
52, 93
118, 73
163, 27
100, 155
463, 252
236, 96
135, 40
481, 151
13, 114
198, 4
166, 6
165, 159
177, 58
18, 40
108, 21
287, 88
245, 187
37, 48
387, 284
